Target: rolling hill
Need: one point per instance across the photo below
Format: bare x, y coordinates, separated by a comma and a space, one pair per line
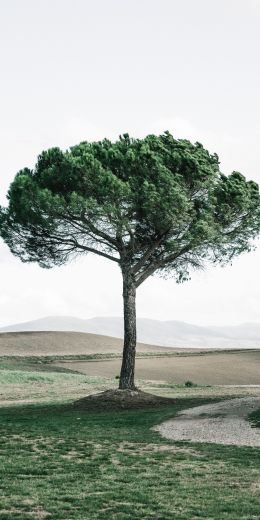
48, 343
164, 333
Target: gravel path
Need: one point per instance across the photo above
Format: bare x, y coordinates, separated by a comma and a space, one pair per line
220, 423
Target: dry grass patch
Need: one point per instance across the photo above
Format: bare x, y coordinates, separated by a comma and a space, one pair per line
126, 447
25, 512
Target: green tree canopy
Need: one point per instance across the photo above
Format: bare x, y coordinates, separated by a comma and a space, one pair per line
152, 205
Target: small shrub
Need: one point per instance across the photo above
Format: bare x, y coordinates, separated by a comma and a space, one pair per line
189, 383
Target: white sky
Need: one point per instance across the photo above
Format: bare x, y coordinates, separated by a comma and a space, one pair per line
73, 70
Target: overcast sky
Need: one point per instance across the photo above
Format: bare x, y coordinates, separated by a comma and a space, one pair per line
74, 70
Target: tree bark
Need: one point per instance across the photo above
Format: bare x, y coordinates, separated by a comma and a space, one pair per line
127, 374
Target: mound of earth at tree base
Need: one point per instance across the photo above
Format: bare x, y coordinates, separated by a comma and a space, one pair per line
121, 400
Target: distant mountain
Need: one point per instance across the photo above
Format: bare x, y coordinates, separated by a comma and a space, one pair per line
165, 333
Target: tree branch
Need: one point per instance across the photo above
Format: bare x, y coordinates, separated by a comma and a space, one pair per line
82, 229
159, 264
140, 263
59, 239
99, 232
97, 252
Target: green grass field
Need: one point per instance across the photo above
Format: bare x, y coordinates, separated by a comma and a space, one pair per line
60, 463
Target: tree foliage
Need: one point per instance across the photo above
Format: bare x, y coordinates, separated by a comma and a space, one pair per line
153, 205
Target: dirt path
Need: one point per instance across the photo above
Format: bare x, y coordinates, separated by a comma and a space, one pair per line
220, 423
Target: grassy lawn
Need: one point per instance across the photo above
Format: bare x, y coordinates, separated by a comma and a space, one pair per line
60, 463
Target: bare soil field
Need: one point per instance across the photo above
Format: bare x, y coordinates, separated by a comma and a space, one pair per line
213, 368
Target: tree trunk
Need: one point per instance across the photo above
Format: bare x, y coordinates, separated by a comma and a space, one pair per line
126, 381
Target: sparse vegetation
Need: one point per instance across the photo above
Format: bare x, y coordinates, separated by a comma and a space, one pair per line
189, 384
255, 419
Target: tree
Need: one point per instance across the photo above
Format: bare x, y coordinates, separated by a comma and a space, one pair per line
150, 205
